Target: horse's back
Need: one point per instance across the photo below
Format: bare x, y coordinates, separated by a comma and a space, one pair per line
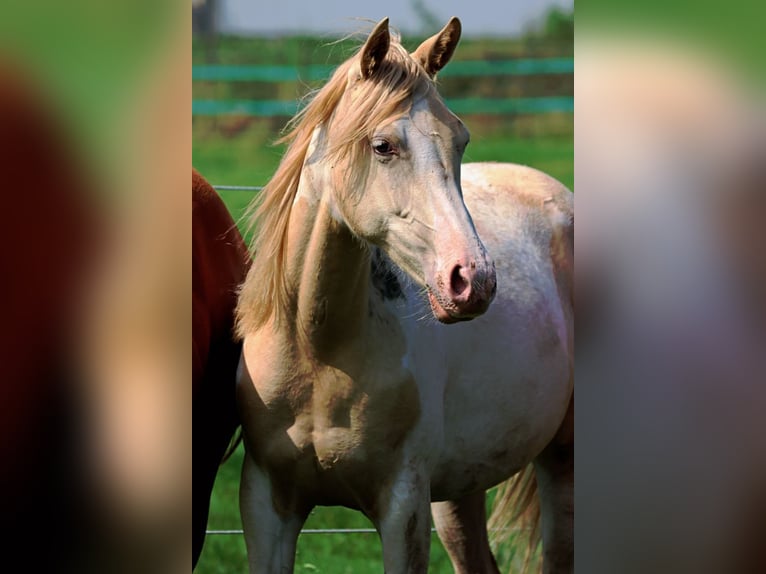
220, 262
509, 201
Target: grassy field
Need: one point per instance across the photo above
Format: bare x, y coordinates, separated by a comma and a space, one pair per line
233, 150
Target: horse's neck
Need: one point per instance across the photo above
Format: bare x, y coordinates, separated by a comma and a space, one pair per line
329, 271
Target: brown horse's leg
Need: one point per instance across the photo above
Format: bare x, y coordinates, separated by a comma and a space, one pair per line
462, 528
554, 470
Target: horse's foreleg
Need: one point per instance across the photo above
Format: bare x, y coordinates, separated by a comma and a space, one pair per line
404, 523
554, 470
270, 534
462, 528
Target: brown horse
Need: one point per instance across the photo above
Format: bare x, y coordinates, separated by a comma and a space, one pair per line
48, 235
220, 262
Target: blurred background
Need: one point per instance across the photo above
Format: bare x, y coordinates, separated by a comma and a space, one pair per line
671, 283
510, 80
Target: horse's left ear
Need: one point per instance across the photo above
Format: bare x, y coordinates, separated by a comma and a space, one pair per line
375, 49
435, 52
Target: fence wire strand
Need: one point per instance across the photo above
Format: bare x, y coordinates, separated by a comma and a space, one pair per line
238, 187
306, 531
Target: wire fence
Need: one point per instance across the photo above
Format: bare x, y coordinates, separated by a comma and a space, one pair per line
238, 187
306, 531
341, 531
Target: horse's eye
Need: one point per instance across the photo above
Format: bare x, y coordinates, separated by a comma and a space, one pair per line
383, 147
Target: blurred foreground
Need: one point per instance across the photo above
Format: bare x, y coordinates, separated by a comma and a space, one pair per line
671, 187
95, 448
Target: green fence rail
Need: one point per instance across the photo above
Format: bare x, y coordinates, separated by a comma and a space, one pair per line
521, 67
474, 68
490, 106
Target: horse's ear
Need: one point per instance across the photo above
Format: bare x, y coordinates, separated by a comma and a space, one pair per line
435, 52
375, 48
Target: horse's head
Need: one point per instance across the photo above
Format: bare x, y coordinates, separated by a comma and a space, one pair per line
398, 186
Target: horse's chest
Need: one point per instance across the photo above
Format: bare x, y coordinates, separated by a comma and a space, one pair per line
361, 419
334, 424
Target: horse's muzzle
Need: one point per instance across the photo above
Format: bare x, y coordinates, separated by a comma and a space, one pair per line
465, 293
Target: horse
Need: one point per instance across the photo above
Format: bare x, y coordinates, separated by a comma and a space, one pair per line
50, 241
220, 260
407, 326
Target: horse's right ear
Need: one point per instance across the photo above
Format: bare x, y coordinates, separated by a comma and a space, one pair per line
375, 49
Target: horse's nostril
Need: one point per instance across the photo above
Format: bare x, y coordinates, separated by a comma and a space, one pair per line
458, 284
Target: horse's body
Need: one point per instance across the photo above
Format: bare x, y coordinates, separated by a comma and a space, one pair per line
220, 261
352, 394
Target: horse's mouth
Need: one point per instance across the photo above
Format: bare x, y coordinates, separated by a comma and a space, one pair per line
441, 314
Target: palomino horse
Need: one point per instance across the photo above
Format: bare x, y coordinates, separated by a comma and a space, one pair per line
349, 392
220, 262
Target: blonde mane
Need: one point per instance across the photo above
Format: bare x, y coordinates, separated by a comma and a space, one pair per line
350, 107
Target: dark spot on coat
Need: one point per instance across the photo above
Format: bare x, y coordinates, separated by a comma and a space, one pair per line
384, 278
